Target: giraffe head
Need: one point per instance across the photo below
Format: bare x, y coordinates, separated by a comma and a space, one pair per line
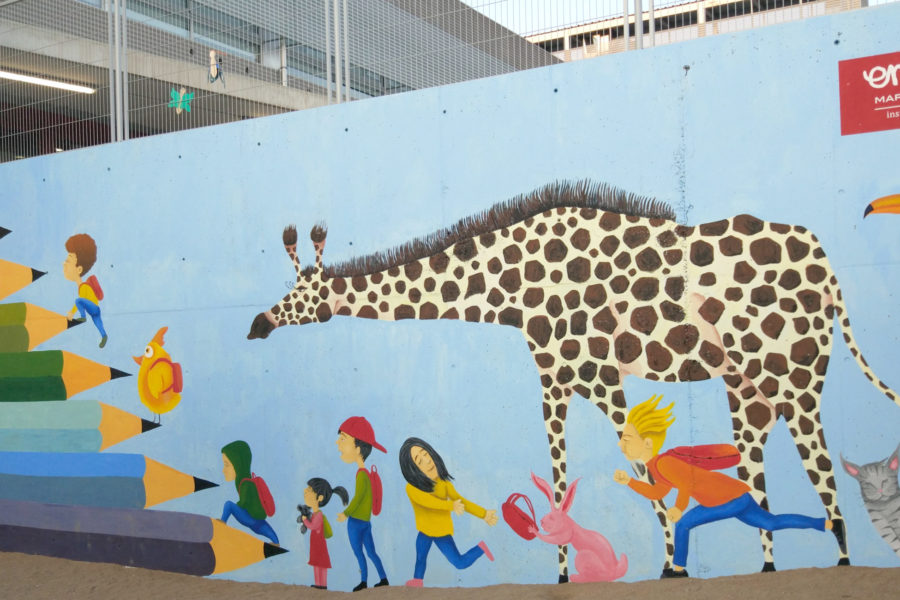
308, 301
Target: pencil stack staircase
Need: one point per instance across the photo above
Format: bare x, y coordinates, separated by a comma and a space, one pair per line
61, 493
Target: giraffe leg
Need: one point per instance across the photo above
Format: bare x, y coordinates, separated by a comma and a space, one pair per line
752, 417
555, 406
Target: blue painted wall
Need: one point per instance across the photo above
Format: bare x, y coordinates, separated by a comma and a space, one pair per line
189, 233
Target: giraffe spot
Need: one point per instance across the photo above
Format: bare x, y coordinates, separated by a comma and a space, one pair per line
510, 281
581, 239
452, 313
532, 246
589, 213
821, 365
578, 323
587, 371
648, 260
359, 283
372, 297
627, 347
582, 391
343, 311
323, 312
475, 285
556, 427
787, 305
621, 307
750, 343
510, 316
600, 392
604, 321
666, 239
780, 228
570, 349
756, 453
415, 295
806, 426
772, 325
622, 260
815, 273
702, 253
578, 269
544, 360
645, 288
560, 331
711, 310
754, 368
691, 370
465, 249
602, 270
618, 399
800, 378
716, 228
439, 262
635, 236
541, 229
598, 347
399, 286
743, 272
671, 311
741, 323
610, 221
658, 358
824, 464
555, 251
775, 363
804, 352
376, 278
449, 291
787, 410
733, 294
769, 276
539, 330
428, 311
519, 234
732, 381
339, 285
683, 231
796, 249
619, 284
644, 319
559, 229
747, 224
565, 374
758, 415
367, 312
609, 375
534, 271
487, 239
595, 295
811, 300
533, 297
473, 314
763, 295
495, 297
494, 265
682, 338
609, 244
711, 354
731, 246
512, 255
561, 410
765, 251
708, 279
728, 340
404, 311
673, 257
675, 287
789, 279
554, 306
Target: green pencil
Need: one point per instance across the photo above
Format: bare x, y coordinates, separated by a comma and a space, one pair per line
49, 375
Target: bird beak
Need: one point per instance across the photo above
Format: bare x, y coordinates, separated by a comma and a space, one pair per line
138, 359
887, 204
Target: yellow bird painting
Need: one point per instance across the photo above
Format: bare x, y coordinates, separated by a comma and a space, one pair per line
159, 378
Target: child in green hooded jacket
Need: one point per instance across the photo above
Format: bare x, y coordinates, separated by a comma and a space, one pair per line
248, 510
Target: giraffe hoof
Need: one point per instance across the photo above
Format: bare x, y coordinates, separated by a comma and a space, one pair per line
844, 562
768, 567
563, 579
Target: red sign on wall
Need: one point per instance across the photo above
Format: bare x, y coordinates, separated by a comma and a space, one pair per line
870, 93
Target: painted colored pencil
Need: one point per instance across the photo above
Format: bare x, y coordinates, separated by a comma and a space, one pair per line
14, 277
152, 539
93, 479
49, 375
23, 326
73, 426
3, 232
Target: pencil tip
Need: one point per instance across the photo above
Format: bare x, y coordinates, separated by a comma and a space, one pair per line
70, 323
35, 274
270, 550
115, 373
4, 231
148, 425
202, 484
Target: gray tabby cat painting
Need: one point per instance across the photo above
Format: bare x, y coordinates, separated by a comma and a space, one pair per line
881, 495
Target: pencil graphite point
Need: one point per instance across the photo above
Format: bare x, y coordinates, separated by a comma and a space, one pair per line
35, 274
148, 425
115, 373
73, 323
3, 232
202, 484
270, 550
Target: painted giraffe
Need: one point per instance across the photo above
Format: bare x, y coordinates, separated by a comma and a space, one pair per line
603, 284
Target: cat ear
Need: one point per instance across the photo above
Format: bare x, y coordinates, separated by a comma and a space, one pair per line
894, 460
852, 469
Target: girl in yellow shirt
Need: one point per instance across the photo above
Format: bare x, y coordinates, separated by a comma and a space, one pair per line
433, 498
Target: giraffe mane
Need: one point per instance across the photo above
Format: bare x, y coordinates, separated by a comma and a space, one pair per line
582, 194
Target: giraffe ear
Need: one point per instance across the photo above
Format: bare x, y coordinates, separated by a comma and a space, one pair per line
317, 235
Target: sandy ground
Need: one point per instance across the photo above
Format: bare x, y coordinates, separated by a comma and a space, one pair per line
39, 577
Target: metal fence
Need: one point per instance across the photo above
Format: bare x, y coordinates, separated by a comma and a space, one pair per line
76, 73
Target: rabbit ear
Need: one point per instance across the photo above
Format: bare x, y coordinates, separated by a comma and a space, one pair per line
569, 496
543, 486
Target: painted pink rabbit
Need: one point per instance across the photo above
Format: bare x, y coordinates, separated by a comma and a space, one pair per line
595, 559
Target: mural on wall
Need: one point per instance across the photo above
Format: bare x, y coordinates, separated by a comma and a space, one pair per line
595, 559
24, 326
880, 494
180, 100
13, 277
355, 441
605, 284
159, 381
255, 502
885, 205
317, 494
82, 254
433, 498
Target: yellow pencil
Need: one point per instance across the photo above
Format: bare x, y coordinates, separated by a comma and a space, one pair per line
234, 549
23, 326
14, 277
49, 375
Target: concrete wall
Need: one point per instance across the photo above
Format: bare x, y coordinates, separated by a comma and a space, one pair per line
189, 226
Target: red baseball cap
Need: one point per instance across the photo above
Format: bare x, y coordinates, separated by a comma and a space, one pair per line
361, 429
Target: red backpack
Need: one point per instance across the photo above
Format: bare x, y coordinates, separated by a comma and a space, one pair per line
95, 285
712, 457
262, 489
377, 490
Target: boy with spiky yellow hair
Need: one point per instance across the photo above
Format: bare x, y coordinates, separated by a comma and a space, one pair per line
718, 496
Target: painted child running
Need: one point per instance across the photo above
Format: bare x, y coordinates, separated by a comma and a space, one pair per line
718, 496
355, 441
82, 254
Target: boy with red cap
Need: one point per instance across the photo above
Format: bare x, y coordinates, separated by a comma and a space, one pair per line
355, 441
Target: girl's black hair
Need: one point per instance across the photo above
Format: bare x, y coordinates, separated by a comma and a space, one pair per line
411, 471
320, 487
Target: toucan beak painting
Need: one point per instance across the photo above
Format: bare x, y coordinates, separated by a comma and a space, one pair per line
887, 204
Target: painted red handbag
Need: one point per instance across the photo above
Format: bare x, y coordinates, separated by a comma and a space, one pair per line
517, 519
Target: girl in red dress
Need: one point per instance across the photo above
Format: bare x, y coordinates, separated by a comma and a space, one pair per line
316, 495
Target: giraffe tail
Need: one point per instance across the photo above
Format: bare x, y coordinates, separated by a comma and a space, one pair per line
843, 319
